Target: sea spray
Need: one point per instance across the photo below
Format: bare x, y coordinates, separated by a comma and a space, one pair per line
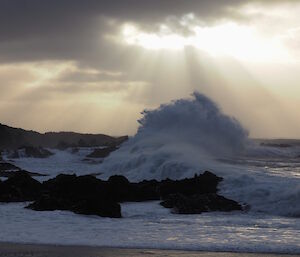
178, 140
191, 135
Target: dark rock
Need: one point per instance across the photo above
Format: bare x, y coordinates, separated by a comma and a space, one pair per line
102, 152
199, 203
9, 174
90, 206
8, 170
19, 188
36, 152
48, 203
84, 195
98, 206
148, 190
200, 184
121, 190
74, 187
92, 196
30, 151
5, 166
276, 145
62, 145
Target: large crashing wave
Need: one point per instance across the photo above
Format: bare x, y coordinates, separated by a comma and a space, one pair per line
178, 140
189, 136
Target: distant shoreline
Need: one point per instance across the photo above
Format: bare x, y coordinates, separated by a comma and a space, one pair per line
42, 250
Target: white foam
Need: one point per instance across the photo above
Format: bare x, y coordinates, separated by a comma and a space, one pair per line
147, 225
189, 136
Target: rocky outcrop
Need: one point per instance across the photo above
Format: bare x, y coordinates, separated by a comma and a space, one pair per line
82, 195
13, 138
9, 170
91, 196
102, 152
20, 188
31, 152
200, 184
5, 166
198, 203
121, 190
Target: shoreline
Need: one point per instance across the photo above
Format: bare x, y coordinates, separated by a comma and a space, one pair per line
44, 250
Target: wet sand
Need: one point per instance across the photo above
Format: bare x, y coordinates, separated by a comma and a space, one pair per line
26, 250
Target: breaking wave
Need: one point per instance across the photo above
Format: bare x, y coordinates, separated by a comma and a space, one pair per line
178, 140
188, 136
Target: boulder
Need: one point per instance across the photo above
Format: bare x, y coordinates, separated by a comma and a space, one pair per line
121, 190
83, 195
5, 166
9, 170
199, 203
89, 206
98, 206
102, 152
32, 152
148, 190
19, 188
200, 184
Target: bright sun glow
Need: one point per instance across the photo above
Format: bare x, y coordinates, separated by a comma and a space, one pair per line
228, 39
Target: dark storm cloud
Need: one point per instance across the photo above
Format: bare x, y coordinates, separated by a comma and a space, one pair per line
74, 29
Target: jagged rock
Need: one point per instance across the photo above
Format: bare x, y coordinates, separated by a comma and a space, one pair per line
84, 195
92, 196
90, 206
5, 166
101, 207
9, 170
148, 190
20, 188
200, 184
121, 190
102, 152
30, 151
199, 203
9, 174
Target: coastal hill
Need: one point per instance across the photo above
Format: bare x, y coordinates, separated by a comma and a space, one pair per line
13, 138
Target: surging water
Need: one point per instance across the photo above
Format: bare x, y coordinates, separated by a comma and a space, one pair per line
189, 136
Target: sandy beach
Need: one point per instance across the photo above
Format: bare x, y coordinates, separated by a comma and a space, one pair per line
26, 250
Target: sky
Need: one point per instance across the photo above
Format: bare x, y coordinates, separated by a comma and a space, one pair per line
94, 65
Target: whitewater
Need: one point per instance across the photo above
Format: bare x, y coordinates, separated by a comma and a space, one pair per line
177, 140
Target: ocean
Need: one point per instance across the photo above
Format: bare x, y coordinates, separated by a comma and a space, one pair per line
175, 141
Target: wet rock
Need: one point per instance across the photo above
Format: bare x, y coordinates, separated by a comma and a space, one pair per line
89, 206
102, 152
32, 152
121, 190
5, 166
199, 203
20, 188
200, 184
83, 195
9, 170
148, 190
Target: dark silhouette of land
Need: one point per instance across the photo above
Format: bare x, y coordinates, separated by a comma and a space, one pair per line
14, 138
